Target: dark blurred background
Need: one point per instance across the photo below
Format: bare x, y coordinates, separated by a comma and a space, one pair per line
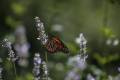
98, 20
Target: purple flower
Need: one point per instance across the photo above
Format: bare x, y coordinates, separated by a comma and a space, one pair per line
73, 75
40, 28
36, 68
12, 57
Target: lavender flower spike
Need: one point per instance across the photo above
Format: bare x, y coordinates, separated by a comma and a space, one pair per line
6, 44
82, 42
11, 54
40, 28
36, 68
45, 71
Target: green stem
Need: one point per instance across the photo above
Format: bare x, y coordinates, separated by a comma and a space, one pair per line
12, 64
14, 69
46, 57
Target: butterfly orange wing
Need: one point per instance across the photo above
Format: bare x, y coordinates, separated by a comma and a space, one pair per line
50, 46
61, 46
55, 44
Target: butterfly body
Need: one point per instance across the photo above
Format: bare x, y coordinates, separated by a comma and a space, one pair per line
54, 44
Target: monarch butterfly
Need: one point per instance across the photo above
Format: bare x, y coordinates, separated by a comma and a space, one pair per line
54, 44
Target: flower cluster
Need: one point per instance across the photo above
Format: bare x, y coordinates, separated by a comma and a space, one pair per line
43, 37
12, 57
45, 71
80, 59
73, 75
36, 69
78, 62
40, 28
40, 67
21, 46
82, 42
